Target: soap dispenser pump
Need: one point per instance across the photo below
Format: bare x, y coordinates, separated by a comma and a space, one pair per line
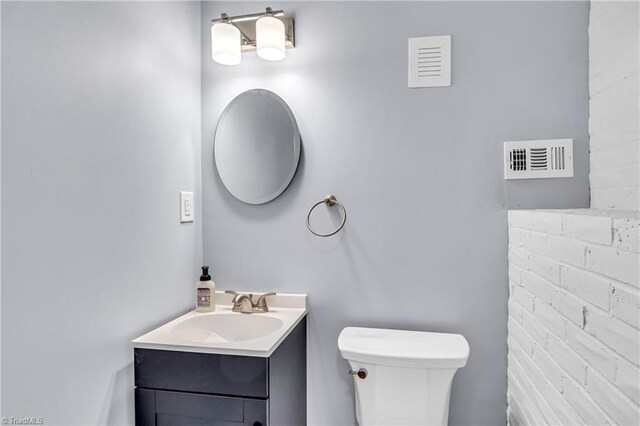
205, 292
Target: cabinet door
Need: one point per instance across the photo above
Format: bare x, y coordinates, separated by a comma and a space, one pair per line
164, 408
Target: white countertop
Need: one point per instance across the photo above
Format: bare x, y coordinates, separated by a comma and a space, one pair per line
288, 308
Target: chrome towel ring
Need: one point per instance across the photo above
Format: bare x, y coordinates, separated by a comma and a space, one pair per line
330, 201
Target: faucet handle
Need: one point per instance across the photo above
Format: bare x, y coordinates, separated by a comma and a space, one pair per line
241, 302
235, 294
261, 305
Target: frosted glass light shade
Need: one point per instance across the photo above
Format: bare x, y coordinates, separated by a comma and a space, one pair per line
225, 44
270, 38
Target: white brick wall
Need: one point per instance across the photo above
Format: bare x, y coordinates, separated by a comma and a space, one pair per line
574, 290
614, 60
574, 317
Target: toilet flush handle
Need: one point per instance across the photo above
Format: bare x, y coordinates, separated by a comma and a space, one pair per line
362, 373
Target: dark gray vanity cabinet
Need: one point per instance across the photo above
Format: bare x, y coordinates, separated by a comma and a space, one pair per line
195, 389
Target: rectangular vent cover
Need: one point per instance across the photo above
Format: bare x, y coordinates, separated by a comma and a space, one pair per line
430, 61
538, 159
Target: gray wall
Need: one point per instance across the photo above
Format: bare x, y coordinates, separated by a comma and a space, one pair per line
101, 129
419, 171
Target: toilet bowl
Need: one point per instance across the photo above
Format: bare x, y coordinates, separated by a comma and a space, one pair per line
404, 376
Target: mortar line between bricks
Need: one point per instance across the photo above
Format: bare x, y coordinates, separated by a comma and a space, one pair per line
527, 398
616, 353
612, 281
543, 375
587, 363
565, 264
621, 394
609, 315
630, 143
613, 185
612, 352
514, 409
526, 389
606, 347
567, 375
610, 85
565, 290
601, 148
532, 388
561, 338
563, 235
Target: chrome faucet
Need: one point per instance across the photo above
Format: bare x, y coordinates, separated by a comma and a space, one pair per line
243, 303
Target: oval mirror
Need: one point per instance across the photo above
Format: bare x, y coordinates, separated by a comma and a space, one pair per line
257, 146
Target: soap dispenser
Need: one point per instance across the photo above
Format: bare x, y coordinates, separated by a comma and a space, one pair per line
205, 292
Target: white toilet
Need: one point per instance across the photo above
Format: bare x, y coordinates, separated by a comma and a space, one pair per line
402, 377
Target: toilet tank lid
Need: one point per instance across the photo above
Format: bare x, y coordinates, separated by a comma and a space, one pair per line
403, 348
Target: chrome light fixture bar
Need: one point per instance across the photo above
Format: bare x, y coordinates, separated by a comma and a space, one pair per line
268, 33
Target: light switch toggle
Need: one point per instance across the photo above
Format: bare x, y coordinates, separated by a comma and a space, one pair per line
186, 207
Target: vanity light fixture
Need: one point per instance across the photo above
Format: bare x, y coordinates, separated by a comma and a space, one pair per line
225, 43
269, 33
270, 38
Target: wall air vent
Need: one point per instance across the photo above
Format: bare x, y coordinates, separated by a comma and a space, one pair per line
430, 61
538, 159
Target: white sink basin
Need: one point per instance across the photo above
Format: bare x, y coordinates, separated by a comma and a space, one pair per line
227, 332
223, 328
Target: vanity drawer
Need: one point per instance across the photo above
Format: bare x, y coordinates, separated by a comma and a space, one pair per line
166, 408
202, 373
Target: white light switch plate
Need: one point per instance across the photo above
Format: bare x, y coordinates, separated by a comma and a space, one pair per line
186, 207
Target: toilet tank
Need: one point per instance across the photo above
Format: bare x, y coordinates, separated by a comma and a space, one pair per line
408, 374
